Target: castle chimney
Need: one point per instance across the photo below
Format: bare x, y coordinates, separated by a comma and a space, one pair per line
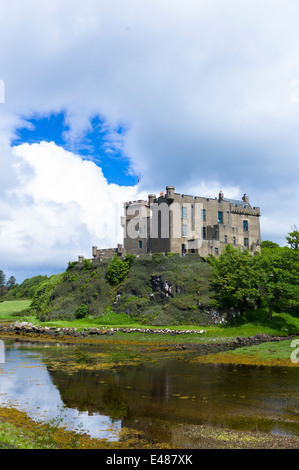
245, 198
220, 197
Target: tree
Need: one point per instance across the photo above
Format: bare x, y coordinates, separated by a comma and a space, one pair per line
117, 270
234, 280
274, 275
3, 288
268, 244
293, 239
2, 278
11, 282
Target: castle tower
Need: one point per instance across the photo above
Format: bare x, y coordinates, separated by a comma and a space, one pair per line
135, 222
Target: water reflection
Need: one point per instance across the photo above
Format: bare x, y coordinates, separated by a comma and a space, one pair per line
153, 397
26, 384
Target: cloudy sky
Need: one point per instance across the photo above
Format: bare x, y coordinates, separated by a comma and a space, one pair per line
200, 94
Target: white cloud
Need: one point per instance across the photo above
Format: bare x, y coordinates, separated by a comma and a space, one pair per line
61, 207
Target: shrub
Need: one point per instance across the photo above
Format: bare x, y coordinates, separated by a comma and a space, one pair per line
117, 270
86, 265
130, 259
81, 311
42, 297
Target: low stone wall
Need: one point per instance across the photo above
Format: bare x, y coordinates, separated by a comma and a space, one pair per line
26, 327
202, 347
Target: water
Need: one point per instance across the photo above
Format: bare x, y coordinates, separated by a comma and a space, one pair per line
104, 390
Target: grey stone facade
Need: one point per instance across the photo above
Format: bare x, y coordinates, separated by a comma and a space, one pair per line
183, 224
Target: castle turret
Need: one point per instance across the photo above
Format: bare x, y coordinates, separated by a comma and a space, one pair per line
151, 198
94, 251
170, 193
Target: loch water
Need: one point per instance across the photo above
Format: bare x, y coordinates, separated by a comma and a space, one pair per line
104, 389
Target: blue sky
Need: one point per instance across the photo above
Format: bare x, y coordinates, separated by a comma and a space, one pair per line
95, 145
199, 94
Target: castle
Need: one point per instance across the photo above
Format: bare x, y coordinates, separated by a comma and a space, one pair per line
185, 224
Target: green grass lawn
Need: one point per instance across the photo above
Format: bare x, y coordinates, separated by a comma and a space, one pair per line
277, 353
282, 324
10, 308
267, 351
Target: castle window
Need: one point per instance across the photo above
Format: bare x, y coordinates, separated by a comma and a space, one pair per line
246, 242
140, 244
216, 251
234, 240
220, 217
204, 233
184, 230
245, 225
184, 212
203, 214
225, 238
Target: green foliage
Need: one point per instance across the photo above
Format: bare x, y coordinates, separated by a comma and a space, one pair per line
234, 280
110, 318
266, 244
80, 285
81, 311
242, 281
72, 264
117, 270
2, 278
86, 265
130, 259
276, 277
27, 289
158, 258
293, 239
189, 278
11, 282
41, 299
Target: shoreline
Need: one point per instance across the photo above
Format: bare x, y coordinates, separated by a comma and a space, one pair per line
28, 332
23, 432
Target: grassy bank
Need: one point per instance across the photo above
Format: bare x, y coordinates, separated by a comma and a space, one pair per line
158, 290
256, 322
282, 353
19, 431
11, 309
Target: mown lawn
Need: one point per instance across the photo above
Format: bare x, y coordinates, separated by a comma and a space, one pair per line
10, 308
